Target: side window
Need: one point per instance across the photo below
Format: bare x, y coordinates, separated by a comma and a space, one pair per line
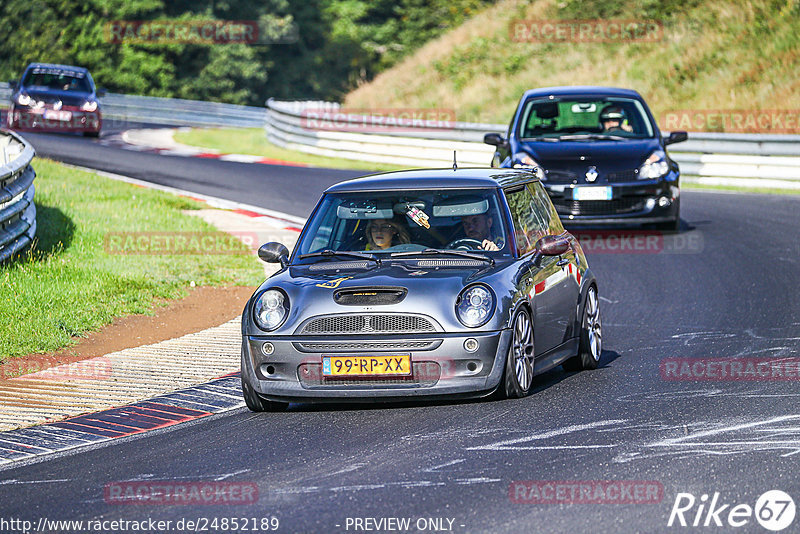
529, 224
547, 210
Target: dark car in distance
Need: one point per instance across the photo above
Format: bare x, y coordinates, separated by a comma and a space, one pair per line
421, 284
599, 153
55, 98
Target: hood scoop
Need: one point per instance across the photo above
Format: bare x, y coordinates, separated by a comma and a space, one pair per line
369, 296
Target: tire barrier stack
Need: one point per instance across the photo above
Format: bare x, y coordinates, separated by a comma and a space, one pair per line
17, 211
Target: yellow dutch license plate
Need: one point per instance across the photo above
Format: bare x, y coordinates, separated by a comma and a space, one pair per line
366, 365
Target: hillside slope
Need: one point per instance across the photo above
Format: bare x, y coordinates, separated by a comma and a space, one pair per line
724, 54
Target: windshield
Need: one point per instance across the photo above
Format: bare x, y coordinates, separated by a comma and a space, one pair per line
584, 118
407, 221
57, 79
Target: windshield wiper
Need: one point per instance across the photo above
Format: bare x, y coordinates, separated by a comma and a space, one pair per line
548, 139
582, 137
437, 251
328, 253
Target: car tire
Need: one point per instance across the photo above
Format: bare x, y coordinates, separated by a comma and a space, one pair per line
590, 347
518, 374
91, 134
257, 404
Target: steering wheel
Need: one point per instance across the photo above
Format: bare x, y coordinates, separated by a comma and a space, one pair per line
465, 243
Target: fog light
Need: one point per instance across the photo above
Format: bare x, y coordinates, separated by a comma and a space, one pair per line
267, 348
471, 345
663, 202
267, 370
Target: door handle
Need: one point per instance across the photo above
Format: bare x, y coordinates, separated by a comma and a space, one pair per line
562, 262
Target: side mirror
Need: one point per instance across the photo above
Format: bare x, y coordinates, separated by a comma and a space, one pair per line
100, 92
552, 245
494, 139
676, 137
12, 85
274, 253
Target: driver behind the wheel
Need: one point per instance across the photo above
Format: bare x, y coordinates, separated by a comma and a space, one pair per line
613, 118
479, 227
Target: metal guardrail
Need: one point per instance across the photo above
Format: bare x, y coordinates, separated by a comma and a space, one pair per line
17, 211
169, 111
772, 160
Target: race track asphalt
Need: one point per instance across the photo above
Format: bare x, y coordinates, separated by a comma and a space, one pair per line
727, 287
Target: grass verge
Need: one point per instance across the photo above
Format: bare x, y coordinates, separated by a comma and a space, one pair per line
252, 141
71, 282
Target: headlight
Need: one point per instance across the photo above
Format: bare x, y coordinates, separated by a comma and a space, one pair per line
24, 100
271, 309
89, 106
474, 306
524, 161
654, 167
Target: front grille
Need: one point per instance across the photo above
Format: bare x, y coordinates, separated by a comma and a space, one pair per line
423, 374
623, 176
348, 346
599, 207
561, 176
368, 323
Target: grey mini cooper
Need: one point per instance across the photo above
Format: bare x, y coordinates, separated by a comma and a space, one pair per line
421, 284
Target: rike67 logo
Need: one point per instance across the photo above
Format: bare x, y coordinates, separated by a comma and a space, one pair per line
774, 510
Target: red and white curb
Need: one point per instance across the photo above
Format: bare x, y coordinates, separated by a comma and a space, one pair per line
184, 405
71, 391
160, 141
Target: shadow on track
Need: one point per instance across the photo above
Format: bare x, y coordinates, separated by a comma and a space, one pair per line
540, 383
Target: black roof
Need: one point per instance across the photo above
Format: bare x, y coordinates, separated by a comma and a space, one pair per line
466, 178
581, 90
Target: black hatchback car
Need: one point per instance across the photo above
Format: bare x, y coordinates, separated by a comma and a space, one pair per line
599, 153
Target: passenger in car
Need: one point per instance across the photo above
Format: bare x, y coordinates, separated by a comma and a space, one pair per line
384, 233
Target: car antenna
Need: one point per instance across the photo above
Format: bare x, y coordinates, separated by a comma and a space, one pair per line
455, 165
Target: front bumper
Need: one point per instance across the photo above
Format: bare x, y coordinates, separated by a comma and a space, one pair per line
78, 121
631, 203
441, 367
